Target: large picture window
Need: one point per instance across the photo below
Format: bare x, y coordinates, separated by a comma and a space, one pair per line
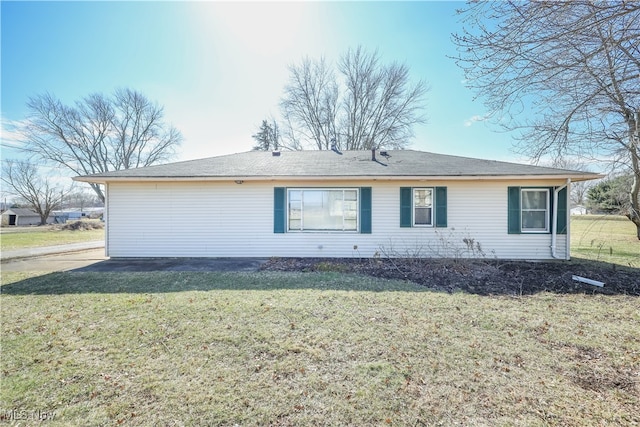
535, 210
322, 209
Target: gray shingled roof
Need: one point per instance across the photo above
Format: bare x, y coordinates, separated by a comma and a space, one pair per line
22, 212
329, 164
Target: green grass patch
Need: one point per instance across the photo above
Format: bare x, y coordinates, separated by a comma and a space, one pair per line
311, 349
606, 238
46, 236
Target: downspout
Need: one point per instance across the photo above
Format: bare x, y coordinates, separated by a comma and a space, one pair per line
554, 222
105, 217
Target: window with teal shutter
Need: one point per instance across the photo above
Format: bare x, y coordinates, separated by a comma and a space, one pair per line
513, 203
441, 206
562, 212
365, 210
416, 205
279, 206
529, 209
406, 206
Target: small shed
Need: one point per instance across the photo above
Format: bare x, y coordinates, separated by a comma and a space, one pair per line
22, 217
578, 210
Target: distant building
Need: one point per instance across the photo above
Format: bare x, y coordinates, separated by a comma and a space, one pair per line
76, 214
22, 217
578, 210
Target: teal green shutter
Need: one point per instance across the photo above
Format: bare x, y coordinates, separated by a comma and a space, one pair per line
441, 206
365, 210
562, 212
513, 203
405, 206
279, 206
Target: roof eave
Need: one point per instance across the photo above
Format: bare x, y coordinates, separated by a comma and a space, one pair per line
487, 177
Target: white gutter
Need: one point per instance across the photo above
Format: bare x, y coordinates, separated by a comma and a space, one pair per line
554, 222
104, 180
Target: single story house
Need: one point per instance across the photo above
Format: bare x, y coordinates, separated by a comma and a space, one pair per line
338, 204
23, 217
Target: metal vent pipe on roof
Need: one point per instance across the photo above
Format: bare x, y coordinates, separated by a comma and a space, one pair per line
373, 154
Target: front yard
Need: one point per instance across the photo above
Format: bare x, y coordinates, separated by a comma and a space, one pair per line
311, 349
336, 345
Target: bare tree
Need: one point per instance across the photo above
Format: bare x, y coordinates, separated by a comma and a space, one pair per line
374, 105
564, 75
380, 106
99, 133
79, 198
310, 102
24, 180
579, 190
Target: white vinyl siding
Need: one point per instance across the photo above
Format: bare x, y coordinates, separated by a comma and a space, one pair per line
224, 219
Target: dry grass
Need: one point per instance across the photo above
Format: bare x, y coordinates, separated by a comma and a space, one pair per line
606, 238
72, 232
312, 349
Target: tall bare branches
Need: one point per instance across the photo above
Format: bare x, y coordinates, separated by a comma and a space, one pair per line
25, 181
99, 133
373, 105
572, 66
310, 102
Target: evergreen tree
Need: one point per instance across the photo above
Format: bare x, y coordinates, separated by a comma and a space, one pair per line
267, 137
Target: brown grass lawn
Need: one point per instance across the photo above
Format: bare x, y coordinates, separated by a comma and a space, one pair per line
311, 349
606, 238
47, 235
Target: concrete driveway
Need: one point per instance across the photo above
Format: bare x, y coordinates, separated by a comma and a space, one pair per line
62, 261
95, 260
175, 264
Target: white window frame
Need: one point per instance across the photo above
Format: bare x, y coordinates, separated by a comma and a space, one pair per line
546, 211
302, 228
413, 206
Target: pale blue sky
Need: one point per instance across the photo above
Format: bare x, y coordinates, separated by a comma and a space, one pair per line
219, 68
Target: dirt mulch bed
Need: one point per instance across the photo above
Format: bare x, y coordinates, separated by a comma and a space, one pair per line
479, 276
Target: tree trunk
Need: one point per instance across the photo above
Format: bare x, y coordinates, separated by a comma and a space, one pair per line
634, 209
637, 223
634, 194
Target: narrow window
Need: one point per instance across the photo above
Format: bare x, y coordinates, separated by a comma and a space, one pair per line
535, 210
422, 206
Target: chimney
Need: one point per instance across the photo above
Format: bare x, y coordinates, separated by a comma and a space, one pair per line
373, 154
